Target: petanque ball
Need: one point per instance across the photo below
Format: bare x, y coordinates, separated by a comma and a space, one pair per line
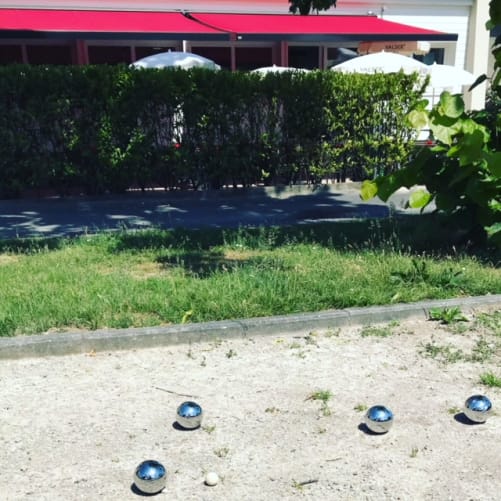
189, 415
379, 419
150, 477
478, 408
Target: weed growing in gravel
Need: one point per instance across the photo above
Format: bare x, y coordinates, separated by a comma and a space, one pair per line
458, 327
189, 353
447, 315
222, 452
482, 351
453, 410
443, 353
360, 407
332, 332
300, 485
491, 380
311, 338
446, 354
379, 331
491, 322
231, 353
209, 428
414, 452
323, 396
272, 410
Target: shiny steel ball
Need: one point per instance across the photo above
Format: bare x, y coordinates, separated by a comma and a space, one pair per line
478, 408
189, 415
379, 419
150, 477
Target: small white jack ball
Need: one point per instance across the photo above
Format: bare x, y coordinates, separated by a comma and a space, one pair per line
211, 478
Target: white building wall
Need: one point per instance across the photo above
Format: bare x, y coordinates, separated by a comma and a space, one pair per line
453, 22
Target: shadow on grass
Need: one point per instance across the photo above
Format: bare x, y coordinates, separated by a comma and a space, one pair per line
32, 245
203, 264
429, 234
412, 234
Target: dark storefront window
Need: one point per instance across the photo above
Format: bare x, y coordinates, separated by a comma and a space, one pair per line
220, 55
10, 54
250, 58
49, 54
434, 56
104, 54
303, 57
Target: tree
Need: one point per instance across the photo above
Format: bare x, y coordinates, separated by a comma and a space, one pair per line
306, 6
462, 173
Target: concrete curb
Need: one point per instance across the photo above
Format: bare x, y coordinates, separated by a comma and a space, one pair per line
129, 339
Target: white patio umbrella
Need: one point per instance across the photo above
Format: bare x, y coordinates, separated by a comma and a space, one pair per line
381, 62
443, 75
277, 69
172, 59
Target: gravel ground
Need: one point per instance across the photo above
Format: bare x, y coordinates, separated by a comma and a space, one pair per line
75, 427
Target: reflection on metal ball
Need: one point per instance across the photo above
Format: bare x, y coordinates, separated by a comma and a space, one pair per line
150, 477
189, 415
478, 408
379, 419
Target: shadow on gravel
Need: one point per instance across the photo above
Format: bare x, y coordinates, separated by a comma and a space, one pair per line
460, 417
137, 492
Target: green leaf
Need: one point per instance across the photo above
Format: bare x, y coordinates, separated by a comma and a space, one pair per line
494, 205
469, 149
443, 133
451, 105
495, 12
369, 190
418, 119
419, 199
462, 174
494, 163
494, 233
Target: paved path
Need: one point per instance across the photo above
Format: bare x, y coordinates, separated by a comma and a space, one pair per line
53, 217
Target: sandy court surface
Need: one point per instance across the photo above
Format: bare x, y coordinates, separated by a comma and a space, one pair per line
75, 427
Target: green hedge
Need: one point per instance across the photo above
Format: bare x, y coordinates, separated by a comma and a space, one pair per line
109, 128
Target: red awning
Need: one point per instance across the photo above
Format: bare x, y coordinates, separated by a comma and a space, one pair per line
103, 24
28, 23
315, 28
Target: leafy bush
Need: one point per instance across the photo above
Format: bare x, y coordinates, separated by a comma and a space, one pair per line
462, 173
99, 129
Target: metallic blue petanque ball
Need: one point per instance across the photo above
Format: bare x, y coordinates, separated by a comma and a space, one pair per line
478, 408
189, 415
379, 419
150, 477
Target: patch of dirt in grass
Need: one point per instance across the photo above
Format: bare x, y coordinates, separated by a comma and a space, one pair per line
75, 427
8, 259
147, 269
240, 255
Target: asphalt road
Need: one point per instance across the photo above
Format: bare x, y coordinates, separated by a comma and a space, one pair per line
53, 217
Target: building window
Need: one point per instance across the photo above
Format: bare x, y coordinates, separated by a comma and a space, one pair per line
108, 54
250, 58
11, 54
220, 55
49, 54
434, 56
303, 57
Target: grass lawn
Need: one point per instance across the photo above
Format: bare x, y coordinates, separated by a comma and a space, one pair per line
157, 277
